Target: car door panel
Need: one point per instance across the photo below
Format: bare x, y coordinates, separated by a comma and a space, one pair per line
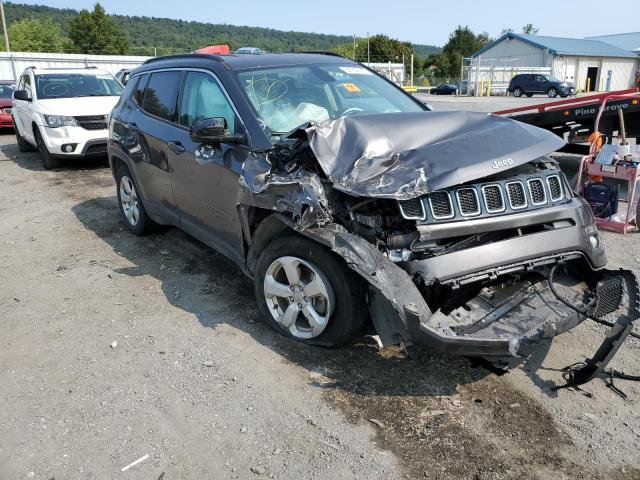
151, 125
205, 178
25, 110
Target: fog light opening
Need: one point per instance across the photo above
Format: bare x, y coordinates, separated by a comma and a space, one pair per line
595, 242
69, 147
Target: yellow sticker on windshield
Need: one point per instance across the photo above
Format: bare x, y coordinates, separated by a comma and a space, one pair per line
350, 87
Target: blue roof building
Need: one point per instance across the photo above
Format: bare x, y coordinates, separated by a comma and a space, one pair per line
595, 64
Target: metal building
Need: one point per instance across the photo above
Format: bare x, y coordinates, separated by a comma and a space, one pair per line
590, 64
13, 63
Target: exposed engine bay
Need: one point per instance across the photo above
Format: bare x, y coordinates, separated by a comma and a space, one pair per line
470, 246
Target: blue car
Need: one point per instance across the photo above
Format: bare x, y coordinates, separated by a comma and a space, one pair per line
529, 84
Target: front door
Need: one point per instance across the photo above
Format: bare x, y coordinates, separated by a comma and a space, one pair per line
24, 109
205, 178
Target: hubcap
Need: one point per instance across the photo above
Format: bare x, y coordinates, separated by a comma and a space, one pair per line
129, 200
299, 296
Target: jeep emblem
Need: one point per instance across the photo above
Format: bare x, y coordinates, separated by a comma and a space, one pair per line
507, 162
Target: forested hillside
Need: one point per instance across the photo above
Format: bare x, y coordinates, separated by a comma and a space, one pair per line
171, 36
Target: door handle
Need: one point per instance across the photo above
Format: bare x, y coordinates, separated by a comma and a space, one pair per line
176, 146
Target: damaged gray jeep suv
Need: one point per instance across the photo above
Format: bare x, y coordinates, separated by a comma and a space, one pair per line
347, 200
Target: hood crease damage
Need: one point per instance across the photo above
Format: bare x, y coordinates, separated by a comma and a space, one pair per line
401, 157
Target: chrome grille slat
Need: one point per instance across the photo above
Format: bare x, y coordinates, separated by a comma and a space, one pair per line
468, 202
555, 188
493, 198
440, 205
517, 195
412, 209
537, 192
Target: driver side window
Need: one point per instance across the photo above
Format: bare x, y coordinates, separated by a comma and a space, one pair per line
202, 97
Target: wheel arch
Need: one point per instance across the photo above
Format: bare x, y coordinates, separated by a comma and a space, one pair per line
263, 226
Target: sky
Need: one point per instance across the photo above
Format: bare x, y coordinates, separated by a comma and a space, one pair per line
425, 22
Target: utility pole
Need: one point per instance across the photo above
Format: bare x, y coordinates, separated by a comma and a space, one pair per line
411, 70
354, 46
368, 51
4, 27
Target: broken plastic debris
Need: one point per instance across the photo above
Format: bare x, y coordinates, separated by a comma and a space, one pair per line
133, 464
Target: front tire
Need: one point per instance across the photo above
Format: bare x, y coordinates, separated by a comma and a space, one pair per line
517, 92
130, 204
307, 293
552, 92
48, 160
23, 145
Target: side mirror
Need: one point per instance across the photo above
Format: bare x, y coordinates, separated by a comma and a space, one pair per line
213, 130
21, 95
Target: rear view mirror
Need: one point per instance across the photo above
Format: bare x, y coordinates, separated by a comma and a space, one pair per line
213, 130
21, 95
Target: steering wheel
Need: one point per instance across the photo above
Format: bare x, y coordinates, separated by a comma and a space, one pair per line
351, 110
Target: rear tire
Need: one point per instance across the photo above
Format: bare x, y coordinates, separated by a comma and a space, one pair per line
130, 204
334, 297
552, 92
517, 92
48, 160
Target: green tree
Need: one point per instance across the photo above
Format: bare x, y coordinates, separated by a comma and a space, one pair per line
529, 29
462, 43
95, 32
33, 35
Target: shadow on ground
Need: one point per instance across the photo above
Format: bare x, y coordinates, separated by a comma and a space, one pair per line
427, 409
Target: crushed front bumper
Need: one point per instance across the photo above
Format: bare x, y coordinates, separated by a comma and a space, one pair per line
501, 323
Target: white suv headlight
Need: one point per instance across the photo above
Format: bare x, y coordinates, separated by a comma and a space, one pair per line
55, 121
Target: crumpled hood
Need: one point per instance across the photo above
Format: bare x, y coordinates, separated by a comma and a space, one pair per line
407, 155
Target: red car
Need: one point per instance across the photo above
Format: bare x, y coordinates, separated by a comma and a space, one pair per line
6, 93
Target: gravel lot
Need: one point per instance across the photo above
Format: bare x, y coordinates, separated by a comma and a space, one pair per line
114, 347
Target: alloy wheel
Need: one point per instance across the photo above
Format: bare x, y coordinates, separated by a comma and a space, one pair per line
299, 296
129, 200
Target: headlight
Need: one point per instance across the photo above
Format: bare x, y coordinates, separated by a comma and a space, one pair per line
55, 121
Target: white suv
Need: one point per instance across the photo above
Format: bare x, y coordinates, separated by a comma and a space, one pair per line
64, 112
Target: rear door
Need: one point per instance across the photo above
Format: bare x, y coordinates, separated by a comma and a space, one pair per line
205, 178
153, 123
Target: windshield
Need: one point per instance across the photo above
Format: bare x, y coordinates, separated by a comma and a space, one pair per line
287, 97
6, 91
67, 85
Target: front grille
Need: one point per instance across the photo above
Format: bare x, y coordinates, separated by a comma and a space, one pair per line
92, 122
493, 198
441, 206
555, 188
468, 202
412, 209
519, 193
536, 189
517, 197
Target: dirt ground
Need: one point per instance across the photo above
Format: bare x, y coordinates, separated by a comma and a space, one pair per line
114, 347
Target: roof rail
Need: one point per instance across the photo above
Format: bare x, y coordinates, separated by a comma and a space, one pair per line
323, 52
209, 56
